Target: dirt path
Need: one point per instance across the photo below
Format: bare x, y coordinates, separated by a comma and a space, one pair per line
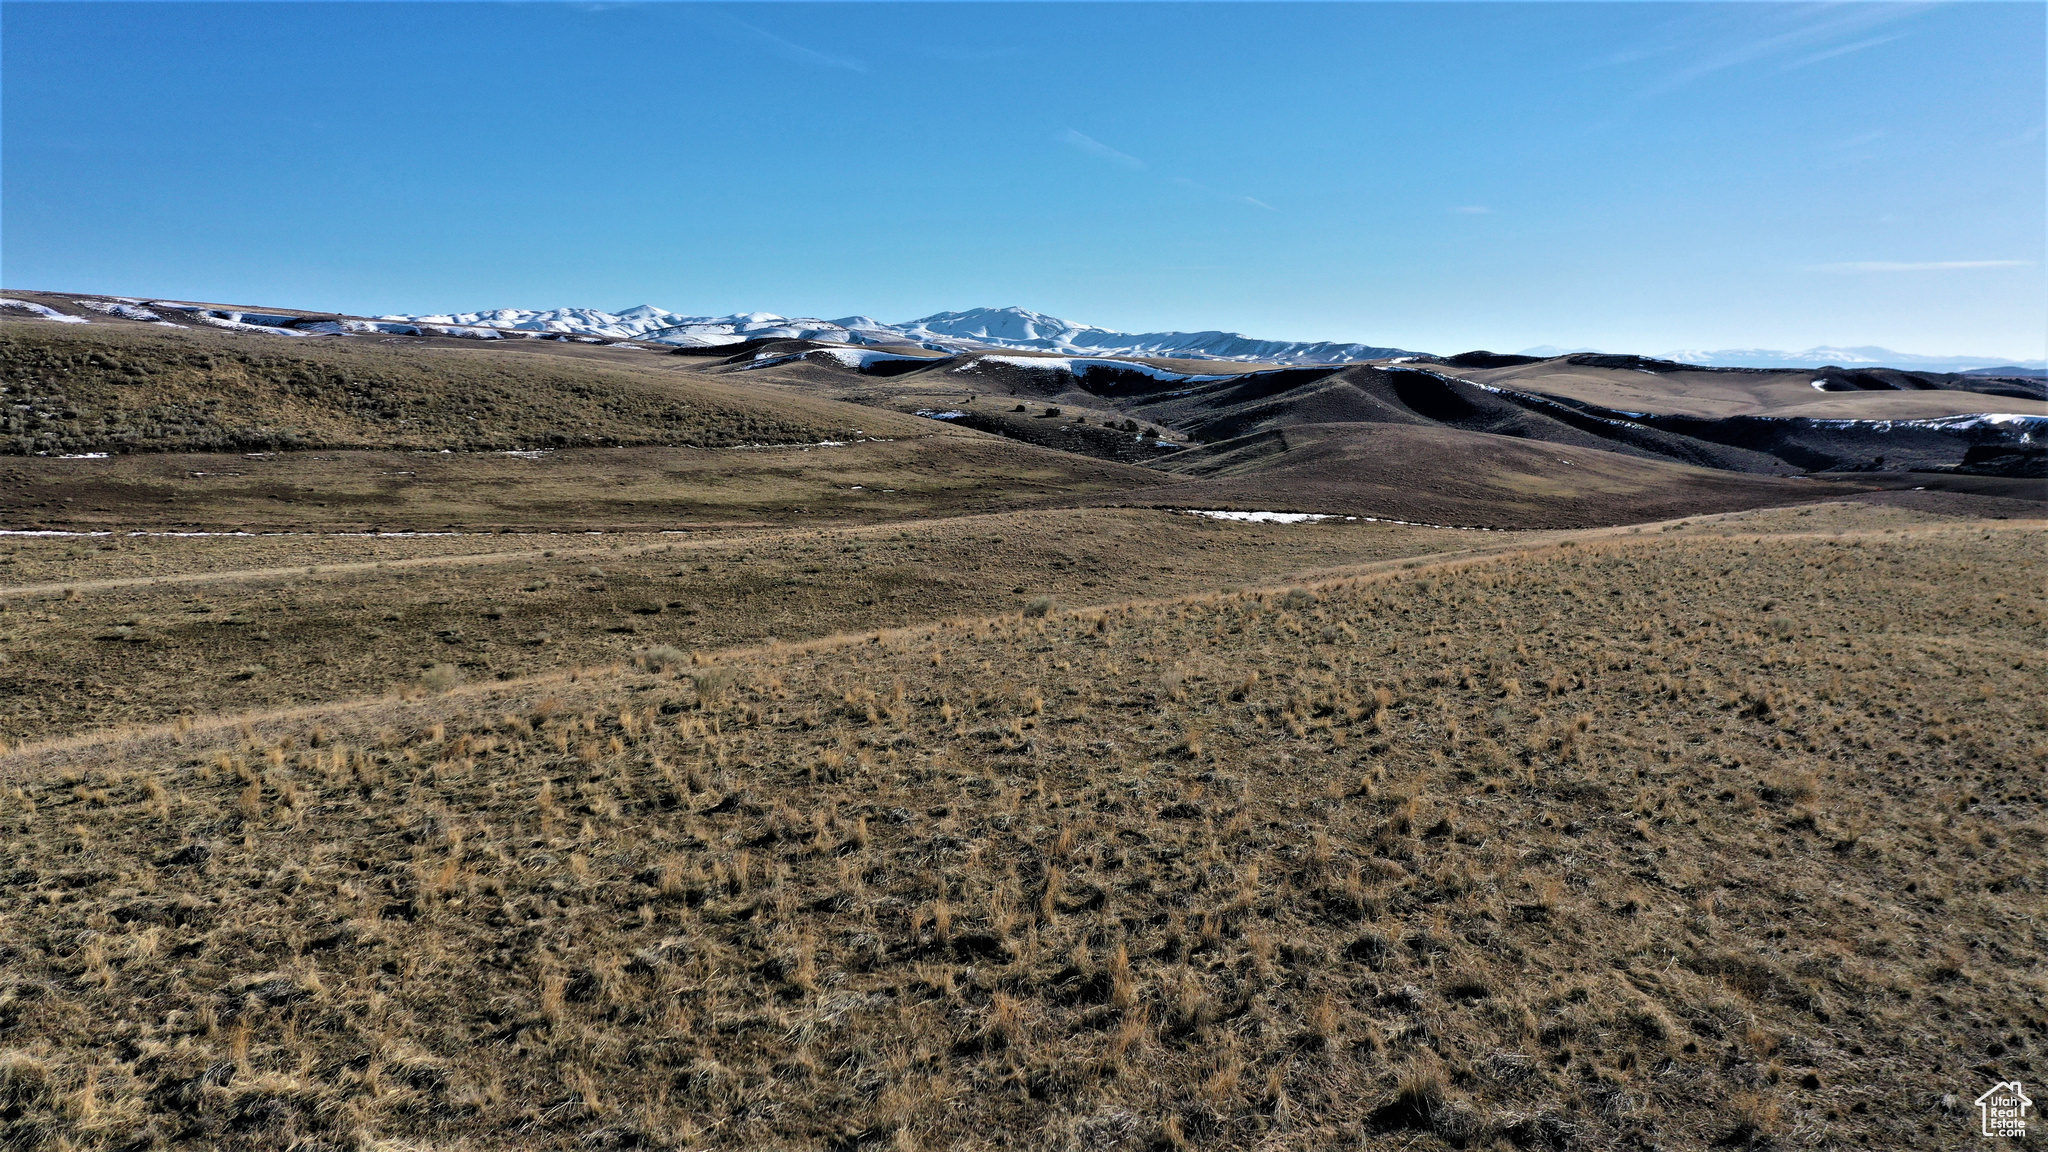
34, 752
751, 532
42, 753
300, 572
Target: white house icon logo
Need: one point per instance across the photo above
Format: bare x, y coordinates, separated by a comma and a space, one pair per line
2004, 1109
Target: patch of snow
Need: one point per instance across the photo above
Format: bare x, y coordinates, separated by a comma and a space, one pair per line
526, 453
856, 358
1264, 517
1306, 517
360, 327
83, 456
931, 414
801, 447
1818, 385
861, 358
123, 309
42, 312
232, 321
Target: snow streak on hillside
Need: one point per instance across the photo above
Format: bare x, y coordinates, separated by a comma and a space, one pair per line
980, 329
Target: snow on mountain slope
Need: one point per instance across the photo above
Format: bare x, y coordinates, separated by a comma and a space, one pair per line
1022, 328
1007, 327
978, 329
647, 322
41, 311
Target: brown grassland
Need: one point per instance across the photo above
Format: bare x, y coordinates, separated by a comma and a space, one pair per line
1091, 829
134, 388
101, 631
574, 747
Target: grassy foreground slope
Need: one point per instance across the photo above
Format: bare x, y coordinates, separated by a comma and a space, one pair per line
1712, 836
110, 387
124, 630
935, 471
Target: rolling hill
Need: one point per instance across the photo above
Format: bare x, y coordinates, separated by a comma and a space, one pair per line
412, 738
1584, 439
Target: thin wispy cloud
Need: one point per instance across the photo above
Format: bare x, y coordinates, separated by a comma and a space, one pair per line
1815, 37
1085, 143
790, 49
1098, 149
1198, 186
1844, 50
1916, 266
964, 55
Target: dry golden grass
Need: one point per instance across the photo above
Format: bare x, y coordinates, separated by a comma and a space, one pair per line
103, 631
1718, 836
936, 471
129, 388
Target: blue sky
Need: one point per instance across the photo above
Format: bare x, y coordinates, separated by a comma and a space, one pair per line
1640, 177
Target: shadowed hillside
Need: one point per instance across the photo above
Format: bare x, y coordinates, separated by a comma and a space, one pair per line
1446, 476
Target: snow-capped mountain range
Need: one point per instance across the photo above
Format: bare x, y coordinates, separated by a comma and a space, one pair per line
979, 329
986, 329
976, 330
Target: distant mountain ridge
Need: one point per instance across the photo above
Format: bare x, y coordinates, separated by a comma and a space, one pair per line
985, 329
1867, 356
977, 329
1022, 328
